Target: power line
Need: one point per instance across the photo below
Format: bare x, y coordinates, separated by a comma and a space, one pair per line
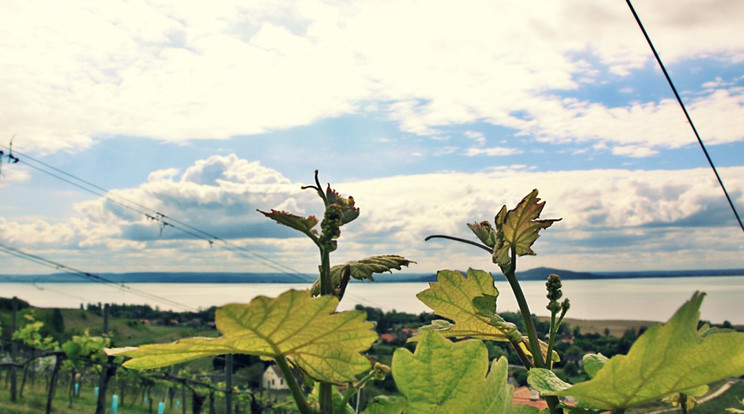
162, 219
687, 115
168, 221
35, 283
88, 276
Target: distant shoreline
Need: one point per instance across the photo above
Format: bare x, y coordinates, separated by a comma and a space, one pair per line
166, 277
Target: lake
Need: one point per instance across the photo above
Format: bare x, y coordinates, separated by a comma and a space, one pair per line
653, 299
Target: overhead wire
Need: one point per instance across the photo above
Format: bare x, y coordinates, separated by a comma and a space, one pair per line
168, 221
687, 115
35, 283
90, 276
163, 219
60, 292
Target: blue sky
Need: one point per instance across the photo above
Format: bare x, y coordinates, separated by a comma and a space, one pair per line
431, 115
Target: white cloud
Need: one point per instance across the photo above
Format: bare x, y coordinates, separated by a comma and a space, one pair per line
445, 151
612, 219
650, 125
476, 136
76, 72
492, 151
634, 151
8, 174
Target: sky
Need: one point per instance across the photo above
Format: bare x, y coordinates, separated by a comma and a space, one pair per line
430, 114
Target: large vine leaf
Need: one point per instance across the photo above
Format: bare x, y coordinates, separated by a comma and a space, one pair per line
363, 269
446, 377
666, 359
519, 228
452, 297
324, 344
303, 224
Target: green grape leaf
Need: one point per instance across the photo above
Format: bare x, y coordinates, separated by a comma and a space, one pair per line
304, 224
363, 269
452, 297
545, 381
324, 344
446, 377
666, 359
385, 404
519, 228
438, 325
72, 349
593, 363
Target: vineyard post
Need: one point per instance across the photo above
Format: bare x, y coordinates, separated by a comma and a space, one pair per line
228, 383
183, 397
14, 352
106, 309
108, 369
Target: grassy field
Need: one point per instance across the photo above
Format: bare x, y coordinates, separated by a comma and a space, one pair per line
34, 401
616, 327
126, 332
131, 333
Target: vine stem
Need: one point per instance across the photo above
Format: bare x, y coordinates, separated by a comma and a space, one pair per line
325, 391
294, 388
524, 309
529, 324
551, 341
472, 243
522, 356
353, 389
325, 272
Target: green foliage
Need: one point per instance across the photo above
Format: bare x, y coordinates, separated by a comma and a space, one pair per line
452, 297
307, 330
339, 405
362, 269
516, 229
86, 346
305, 225
441, 376
593, 363
30, 334
666, 359
471, 303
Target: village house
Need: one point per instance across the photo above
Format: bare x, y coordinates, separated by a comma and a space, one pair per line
272, 379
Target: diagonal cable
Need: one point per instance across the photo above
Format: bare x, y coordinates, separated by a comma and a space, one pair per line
164, 220
88, 276
687, 115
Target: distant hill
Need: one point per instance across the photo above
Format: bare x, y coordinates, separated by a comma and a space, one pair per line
540, 273
165, 277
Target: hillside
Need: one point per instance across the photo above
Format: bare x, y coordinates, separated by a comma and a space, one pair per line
540, 273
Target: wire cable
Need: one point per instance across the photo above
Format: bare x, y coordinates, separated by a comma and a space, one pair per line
90, 276
168, 221
164, 220
687, 115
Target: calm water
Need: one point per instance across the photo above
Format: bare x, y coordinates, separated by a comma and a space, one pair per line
653, 299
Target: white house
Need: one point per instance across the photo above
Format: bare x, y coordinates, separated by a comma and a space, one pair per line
272, 379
